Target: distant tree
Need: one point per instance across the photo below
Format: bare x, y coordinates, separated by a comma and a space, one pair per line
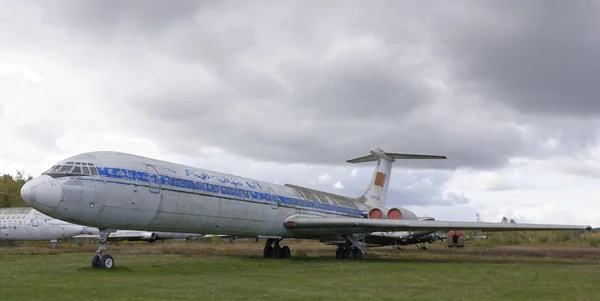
512, 221
10, 189
504, 219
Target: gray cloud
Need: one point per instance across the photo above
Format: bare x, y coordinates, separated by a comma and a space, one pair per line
320, 83
537, 56
105, 18
42, 135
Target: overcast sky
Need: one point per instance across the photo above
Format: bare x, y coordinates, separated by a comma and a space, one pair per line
286, 91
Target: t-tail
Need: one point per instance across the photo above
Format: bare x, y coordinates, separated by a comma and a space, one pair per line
376, 193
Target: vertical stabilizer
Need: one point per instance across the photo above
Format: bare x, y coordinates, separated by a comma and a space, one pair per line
376, 192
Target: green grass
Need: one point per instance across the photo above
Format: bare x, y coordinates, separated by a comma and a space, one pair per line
202, 272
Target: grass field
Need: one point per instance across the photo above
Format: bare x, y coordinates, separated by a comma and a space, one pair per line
207, 271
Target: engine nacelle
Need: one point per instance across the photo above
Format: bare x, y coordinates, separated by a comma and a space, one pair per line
394, 213
149, 236
376, 213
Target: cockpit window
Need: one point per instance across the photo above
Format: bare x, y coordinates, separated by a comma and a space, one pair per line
65, 168
72, 169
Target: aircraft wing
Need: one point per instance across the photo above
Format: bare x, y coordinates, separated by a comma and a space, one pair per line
124, 235
363, 225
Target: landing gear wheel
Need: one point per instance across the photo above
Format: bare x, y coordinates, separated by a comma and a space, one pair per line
347, 253
338, 252
356, 254
277, 252
267, 252
107, 262
96, 261
286, 253
273, 250
103, 260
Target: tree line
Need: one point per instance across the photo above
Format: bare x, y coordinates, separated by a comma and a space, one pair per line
10, 189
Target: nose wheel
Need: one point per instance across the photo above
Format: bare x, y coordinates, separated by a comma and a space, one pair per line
103, 260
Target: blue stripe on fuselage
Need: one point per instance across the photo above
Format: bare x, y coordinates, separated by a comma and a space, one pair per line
182, 183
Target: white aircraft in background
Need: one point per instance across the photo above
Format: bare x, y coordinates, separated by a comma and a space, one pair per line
113, 190
132, 235
29, 224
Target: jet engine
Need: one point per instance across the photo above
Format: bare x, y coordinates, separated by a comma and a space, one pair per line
148, 236
376, 213
394, 213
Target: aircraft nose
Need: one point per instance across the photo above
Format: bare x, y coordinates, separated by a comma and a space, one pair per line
42, 193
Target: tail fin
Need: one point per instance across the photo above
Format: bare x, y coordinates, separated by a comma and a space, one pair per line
376, 193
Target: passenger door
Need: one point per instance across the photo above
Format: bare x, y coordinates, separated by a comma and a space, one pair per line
153, 179
274, 199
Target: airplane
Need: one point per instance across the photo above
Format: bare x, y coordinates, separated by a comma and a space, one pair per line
28, 224
395, 239
24, 223
132, 235
115, 190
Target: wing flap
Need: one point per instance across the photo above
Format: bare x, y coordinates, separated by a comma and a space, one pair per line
374, 225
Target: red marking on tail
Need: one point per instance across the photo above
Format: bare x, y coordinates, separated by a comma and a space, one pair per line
379, 179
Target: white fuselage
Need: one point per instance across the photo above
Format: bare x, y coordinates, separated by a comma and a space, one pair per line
29, 224
138, 193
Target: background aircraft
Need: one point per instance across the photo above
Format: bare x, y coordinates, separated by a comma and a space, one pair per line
398, 238
28, 224
113, 190
132, 235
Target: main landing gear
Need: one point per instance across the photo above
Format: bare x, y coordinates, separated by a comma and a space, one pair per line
273, 250
348, 251
103, 260
352, 249
422, 246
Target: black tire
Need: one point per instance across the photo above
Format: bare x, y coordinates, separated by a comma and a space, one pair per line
277, 253
338, 253
347, 254
107, 262
286, 253
268, 252
357, 254
96, 261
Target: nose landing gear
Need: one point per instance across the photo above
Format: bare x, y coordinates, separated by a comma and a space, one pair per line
103, 260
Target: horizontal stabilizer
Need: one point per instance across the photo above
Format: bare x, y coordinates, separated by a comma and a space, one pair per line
377, 225
377, 154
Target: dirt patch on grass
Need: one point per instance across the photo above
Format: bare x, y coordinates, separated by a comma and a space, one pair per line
307, 248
